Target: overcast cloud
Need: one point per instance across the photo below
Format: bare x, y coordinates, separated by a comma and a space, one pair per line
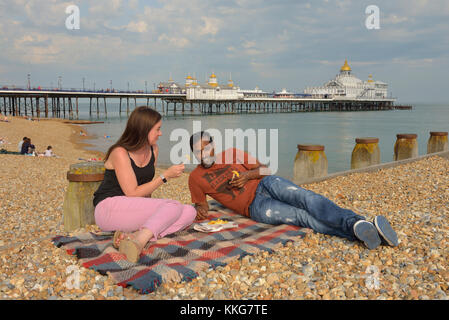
271, 44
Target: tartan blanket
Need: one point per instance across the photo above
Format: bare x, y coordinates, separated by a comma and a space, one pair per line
180, 256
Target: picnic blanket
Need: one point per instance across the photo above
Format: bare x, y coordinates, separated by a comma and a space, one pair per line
4, 151
180, 256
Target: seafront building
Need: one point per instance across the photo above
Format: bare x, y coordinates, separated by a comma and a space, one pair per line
211, 90
346, 85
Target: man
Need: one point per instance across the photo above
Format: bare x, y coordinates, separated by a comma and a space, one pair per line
272, 199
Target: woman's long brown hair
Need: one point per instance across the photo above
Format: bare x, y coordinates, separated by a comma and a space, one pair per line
139, 124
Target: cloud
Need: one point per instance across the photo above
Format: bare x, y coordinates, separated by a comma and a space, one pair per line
394, 19
424, 62
140, 26
211, 26
174, 41
106, 8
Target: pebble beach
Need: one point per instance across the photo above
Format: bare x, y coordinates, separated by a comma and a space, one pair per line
413, 196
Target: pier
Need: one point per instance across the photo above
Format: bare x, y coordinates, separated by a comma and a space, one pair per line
65, 103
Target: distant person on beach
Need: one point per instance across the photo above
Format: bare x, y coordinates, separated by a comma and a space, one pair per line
21, 143
122, 201
49, 152
3, 118
271, 199
27, 147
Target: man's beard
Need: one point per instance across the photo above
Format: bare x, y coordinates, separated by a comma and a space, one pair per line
208, 162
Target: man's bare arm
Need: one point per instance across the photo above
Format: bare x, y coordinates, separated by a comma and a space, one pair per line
202, 210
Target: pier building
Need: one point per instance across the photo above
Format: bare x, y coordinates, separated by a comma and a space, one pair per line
255, 93
346, 85
212, 90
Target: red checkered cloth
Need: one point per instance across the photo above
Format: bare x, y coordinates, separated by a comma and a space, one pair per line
179, 256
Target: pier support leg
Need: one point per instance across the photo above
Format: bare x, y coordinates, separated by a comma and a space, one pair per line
38, 111
63, 103
105, 108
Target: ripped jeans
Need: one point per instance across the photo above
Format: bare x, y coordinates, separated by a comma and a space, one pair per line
280, 201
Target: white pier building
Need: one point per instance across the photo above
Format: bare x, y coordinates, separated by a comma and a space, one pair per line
346, 85
211, 90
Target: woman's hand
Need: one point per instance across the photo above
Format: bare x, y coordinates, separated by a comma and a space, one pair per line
174, 171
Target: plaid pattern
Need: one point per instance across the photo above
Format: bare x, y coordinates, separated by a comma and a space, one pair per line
179, 256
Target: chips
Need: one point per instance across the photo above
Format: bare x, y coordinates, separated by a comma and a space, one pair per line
218, 221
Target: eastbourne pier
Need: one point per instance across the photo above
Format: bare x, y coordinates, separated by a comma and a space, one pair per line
343, 93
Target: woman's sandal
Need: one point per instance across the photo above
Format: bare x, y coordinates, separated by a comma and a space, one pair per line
117, 236
131, 249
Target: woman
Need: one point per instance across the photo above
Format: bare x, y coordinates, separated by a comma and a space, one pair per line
27, 147
121, 202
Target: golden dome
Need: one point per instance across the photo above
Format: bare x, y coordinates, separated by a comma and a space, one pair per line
213, 76
370, 78
189, 77
346, 66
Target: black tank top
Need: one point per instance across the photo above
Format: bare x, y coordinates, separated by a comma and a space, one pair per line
110, 186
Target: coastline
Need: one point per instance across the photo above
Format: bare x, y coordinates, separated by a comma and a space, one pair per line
80, 143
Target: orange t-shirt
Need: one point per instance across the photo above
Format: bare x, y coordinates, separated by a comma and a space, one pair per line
214, 181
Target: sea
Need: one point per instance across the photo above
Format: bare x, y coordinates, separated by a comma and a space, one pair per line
278, 134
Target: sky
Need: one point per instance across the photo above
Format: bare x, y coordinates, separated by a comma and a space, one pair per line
270, 44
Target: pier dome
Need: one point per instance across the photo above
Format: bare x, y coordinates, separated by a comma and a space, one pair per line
189, 80
213, 80
346, 66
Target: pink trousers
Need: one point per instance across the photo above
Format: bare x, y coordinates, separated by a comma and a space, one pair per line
129, 214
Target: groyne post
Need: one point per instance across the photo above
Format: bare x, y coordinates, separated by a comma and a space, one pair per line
437, 142
365, 153
84, 179
406, 146
310, 162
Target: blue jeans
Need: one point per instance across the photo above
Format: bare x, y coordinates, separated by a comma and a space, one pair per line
280, 201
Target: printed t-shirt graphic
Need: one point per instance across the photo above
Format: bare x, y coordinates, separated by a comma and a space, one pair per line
215, 181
